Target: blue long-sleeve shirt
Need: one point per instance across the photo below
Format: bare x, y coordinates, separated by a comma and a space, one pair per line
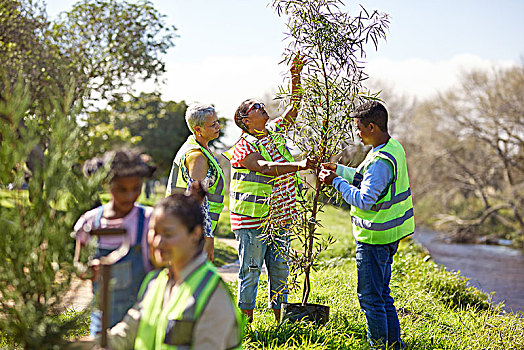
375, 180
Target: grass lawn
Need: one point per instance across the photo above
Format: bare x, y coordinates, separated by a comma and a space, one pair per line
437, 309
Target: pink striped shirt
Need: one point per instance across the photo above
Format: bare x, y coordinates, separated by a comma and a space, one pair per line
282, 200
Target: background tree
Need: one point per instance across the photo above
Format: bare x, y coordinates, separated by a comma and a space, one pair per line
103, 45
101, 136
111, 44
466, 155
36, 247
155, 126
332, 42
26, 51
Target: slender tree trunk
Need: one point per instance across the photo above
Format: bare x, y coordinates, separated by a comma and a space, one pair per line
313, 220
309, 248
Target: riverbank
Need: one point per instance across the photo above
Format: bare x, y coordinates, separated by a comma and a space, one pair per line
491, 268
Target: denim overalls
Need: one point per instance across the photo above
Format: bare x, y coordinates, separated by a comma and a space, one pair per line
126, 277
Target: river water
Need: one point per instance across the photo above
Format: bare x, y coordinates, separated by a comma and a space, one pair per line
491, 268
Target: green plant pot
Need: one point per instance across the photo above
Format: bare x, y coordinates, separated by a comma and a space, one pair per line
294, 312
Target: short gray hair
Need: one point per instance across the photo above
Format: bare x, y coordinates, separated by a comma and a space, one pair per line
196, 114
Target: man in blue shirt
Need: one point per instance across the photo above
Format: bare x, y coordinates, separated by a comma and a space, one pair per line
376, 179
381, 213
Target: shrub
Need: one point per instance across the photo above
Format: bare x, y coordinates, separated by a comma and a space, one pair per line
36, 247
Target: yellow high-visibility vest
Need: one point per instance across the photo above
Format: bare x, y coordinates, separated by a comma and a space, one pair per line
391, 217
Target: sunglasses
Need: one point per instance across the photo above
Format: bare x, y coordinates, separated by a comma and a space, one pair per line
254, 106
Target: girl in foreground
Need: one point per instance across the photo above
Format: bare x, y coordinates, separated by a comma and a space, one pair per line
186, 303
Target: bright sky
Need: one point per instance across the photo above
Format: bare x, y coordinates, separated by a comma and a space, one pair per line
229, 50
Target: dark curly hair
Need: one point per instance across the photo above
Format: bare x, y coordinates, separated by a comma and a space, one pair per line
124, 163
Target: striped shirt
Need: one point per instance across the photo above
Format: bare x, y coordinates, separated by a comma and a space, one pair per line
282, 200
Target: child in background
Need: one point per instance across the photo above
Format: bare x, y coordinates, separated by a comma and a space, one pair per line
125, 180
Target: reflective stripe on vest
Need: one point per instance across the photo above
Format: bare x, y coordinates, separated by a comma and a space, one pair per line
391, 218
215, 195
171, 327
252, 176
249, 191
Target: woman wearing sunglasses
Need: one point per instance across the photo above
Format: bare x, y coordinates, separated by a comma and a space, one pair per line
262, 191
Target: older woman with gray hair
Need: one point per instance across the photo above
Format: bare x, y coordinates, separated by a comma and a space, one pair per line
195, 162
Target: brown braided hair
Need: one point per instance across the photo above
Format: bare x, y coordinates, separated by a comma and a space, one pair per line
240, 113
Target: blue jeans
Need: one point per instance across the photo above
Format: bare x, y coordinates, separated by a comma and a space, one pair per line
126, 278
252, 253
374, 274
